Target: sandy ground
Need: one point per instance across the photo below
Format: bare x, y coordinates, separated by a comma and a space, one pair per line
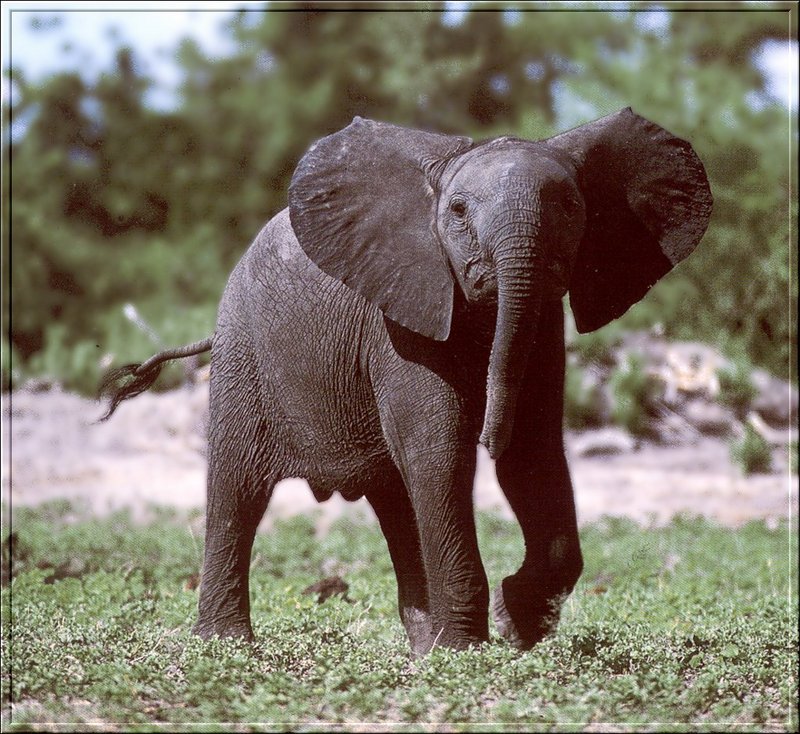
151, 452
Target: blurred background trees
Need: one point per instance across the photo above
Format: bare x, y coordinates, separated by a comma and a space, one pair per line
117, 202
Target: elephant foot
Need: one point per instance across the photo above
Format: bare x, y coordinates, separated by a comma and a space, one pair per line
522, 623
424, 634
225, 628
419, 628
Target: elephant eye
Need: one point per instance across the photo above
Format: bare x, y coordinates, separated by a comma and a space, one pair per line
571, 204
458, 206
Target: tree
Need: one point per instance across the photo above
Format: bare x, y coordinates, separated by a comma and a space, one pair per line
116, 202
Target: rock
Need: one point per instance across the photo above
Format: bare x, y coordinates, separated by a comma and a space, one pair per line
709, 418
651, 347
688, 369
671, 427
772, 436
606, 442
328, 587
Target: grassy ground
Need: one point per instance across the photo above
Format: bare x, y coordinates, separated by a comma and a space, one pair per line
686, 627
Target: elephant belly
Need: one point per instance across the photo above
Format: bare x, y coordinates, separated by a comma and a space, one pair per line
350, 485
331, 454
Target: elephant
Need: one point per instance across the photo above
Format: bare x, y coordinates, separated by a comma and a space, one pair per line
407, 305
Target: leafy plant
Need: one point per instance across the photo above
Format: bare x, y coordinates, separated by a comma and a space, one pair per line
78, 364
736, 388
115, 201
583, 402
751, 452
597, 347
647, 636
633, 392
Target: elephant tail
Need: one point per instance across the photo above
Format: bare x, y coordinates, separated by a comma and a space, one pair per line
140, 377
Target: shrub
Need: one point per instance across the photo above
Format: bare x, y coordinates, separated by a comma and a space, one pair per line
633, 393
752, 453
77, 360
582, 401
736, 388
597, 347
9, 367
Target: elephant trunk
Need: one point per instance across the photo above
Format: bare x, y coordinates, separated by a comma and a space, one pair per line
518, 308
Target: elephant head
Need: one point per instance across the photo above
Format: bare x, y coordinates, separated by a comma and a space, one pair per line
400, 216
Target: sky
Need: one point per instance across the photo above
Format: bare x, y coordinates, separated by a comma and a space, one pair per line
82, 39
87, 27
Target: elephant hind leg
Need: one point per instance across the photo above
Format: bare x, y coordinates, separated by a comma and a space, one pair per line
239, 490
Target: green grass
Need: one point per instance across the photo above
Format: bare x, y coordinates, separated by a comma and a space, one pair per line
685, 627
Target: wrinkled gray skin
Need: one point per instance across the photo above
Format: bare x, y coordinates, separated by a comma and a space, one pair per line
406, 305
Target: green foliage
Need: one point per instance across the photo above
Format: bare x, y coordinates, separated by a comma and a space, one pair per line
633, 393
691, 622
78, 363
751, 452
736, 388
736, 289
116, 202
597, 347
583, 402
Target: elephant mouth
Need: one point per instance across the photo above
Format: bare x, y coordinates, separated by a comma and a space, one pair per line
556, 279
480, 281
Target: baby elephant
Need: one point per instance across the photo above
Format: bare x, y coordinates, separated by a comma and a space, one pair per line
407, 305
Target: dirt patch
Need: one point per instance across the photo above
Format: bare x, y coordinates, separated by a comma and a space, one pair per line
152, 452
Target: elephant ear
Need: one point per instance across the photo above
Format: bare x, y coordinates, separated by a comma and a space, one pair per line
648, 203
363, 209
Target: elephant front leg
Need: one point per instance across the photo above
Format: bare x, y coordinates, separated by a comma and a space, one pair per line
431, 435
534, 476
395, 514
441, 495
526, 605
